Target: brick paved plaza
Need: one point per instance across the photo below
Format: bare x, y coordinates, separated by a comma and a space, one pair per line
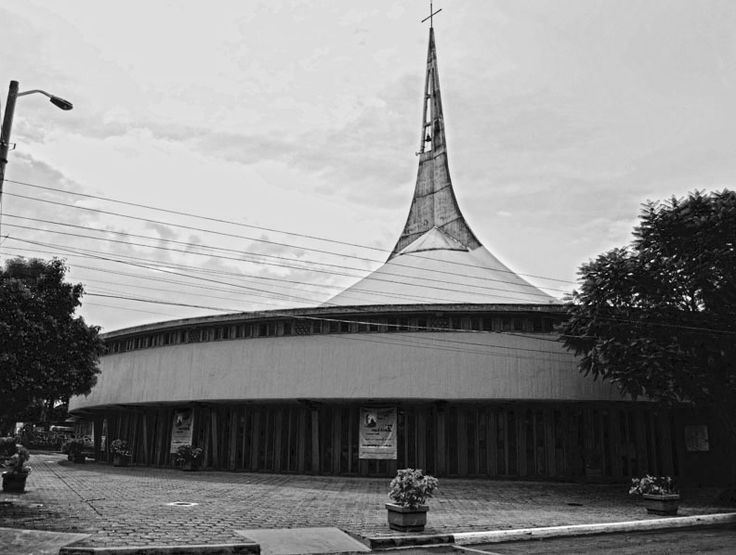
131, 506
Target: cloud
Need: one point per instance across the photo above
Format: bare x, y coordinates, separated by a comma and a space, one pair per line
361, 160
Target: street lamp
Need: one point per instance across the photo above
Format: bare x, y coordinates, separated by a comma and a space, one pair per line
8, 122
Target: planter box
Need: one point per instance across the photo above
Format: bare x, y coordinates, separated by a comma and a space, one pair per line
665, 505
120, 460
14, 483
405, 519
593, 472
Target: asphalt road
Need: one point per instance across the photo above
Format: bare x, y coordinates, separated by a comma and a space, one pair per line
721, 540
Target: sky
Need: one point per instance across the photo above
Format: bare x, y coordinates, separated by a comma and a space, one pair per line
252, 155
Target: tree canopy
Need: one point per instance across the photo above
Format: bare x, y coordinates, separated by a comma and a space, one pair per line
658, 317
47, 353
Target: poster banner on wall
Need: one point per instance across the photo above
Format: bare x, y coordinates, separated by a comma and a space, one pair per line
696, 438
377, 433
103, 436
181, 431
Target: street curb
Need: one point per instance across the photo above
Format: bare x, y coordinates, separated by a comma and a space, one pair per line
393, 542
500, 536
210, 549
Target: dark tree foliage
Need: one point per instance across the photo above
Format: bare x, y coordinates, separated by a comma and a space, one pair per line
47, 353
658, 317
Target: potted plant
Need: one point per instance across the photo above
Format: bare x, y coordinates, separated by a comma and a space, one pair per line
660, 495
409, 491
14, 479
74, 449
120, 452
188, 457
8, 447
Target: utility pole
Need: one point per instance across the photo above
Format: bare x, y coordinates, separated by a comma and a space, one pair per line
7, 124
5, 133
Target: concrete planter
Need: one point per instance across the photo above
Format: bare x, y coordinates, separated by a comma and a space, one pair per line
405, 519
120, 460
14, 482
665, 505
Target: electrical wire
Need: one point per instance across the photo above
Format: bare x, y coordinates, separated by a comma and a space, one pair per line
288, 245
629, 321
240, 259
250, 226
257, 255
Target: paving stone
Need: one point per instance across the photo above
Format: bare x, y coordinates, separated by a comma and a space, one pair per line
128, 506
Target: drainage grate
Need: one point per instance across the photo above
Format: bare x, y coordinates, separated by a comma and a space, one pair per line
182, 504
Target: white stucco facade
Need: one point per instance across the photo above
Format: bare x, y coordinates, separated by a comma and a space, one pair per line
410, 366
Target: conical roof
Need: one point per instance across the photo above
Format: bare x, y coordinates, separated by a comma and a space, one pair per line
437, 258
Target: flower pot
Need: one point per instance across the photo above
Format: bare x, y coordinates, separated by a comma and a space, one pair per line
14, 482
593, 472
77, 458
120, 460
189, 466
665, 504
405, 519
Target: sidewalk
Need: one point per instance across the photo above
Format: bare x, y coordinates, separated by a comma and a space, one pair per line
137, 506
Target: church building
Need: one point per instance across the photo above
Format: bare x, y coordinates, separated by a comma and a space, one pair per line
442, 359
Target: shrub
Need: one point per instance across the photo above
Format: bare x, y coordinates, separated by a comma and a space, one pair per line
7, 447
186, 453
411, 487
120, 448
17, 462
73, 447
654, 485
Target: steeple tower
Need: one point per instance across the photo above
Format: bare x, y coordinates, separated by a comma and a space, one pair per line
438, 259
435, 220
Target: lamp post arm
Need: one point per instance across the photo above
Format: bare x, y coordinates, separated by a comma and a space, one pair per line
55, 100
35, 91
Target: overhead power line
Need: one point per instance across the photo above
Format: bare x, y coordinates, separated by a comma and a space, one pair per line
197, 216
272, 313
271, 294
159, 267
240, 224
241, 257
320, 251
366, 309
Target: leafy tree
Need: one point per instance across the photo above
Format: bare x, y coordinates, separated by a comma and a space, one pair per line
47, 354
658, 317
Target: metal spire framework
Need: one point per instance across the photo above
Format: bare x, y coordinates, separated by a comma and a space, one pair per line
434, 208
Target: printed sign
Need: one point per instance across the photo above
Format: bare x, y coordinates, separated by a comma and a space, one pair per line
103, 435
696, 438
181, 432
377, 433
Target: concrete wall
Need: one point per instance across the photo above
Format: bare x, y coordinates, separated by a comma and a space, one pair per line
451, 366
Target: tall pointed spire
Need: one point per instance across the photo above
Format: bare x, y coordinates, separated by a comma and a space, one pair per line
438, 259
434, 210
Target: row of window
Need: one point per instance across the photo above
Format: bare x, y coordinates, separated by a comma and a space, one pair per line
314, 326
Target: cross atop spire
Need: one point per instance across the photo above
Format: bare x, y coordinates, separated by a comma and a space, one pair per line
434, 207
431, 15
